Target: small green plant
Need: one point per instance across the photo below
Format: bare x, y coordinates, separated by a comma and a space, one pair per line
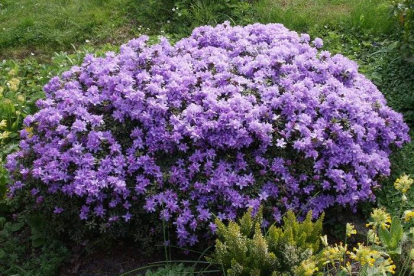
172, 270
391, 238
243, 249
339, 259
22, 252
388, 250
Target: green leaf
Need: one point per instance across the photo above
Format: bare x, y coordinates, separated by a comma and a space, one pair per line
397, 232
2, 222
392, 238
384, 236
38, 242
396, 228
16, 226
35, 222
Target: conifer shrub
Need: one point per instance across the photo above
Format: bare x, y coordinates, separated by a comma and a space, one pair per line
243, 249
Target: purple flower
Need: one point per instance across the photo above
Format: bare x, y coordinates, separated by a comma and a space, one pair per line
277, 216
281, 143
203, 214
39, 199
58, 210
318, 42
84, 212
213, 227
79, 126
34, 191
127, 216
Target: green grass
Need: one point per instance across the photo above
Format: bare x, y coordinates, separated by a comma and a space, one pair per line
45, 26
42, 27
304, 15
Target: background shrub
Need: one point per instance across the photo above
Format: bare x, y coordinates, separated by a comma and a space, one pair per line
404, 13
180, 17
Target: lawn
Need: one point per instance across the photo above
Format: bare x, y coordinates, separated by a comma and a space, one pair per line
43, 27
175, 216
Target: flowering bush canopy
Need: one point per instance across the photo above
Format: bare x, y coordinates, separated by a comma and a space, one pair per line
229, 118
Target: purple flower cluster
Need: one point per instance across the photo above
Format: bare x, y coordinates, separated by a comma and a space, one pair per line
229, 118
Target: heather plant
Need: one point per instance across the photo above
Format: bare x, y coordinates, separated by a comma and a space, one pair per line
243, 249
227, 119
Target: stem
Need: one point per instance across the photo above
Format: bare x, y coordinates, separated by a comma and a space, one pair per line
400, 214
169, 241
344, 256
165, 241
405, 267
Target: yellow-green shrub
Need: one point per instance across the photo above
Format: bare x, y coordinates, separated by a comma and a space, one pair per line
242, 248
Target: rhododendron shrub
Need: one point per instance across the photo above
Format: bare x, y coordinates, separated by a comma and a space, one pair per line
229, 118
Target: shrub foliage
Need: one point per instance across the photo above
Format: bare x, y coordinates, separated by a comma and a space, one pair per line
242, 249
403, 11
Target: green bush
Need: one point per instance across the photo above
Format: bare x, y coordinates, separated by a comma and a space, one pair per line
403, 12
243, 249
395, 78
180, 17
